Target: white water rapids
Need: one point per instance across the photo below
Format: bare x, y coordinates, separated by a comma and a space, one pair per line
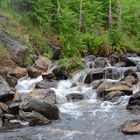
88, 119
80, 119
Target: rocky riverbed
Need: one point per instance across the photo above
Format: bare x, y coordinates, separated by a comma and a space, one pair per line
100, 102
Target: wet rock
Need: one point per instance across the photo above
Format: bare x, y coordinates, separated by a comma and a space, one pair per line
34, 118
17, 50
12, 81
60, 74
17, 97
18, 72
95, 74
44, 94
127, 62
75, 97
3, 107
114, 96
50, 111
134, 102
130, 72
100, 62
113, 59
89, 60
131, 127
95, 84
14, 108
108, 87
121, 61
41, 65
33, 72
6, 119
46, 84
130, 80
6, 95
48, 76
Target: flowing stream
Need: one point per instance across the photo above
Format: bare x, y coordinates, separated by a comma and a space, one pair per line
89, 119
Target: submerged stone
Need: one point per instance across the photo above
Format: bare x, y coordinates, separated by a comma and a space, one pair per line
130, 127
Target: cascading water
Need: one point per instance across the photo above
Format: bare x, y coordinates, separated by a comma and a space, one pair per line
26, 84
89, 119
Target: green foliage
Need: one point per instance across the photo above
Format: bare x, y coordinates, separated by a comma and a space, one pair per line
27, 60
60, 20
73, 63
5, 3
48, 52
115, 37
91, 42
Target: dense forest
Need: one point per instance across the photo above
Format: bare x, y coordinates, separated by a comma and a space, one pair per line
77, 28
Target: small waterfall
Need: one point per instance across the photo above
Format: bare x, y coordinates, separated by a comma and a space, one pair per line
114, 73
51, 68
26, 84
79, 77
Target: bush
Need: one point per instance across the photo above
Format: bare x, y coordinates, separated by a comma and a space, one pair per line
116, 40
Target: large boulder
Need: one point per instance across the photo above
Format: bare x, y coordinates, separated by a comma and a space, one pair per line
107, 87
41, 65
50, 111
131, 127
134, 102
121, 61
44, 94
127, 62
6, 95
16, 49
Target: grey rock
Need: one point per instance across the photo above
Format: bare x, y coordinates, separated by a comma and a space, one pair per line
50, 111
